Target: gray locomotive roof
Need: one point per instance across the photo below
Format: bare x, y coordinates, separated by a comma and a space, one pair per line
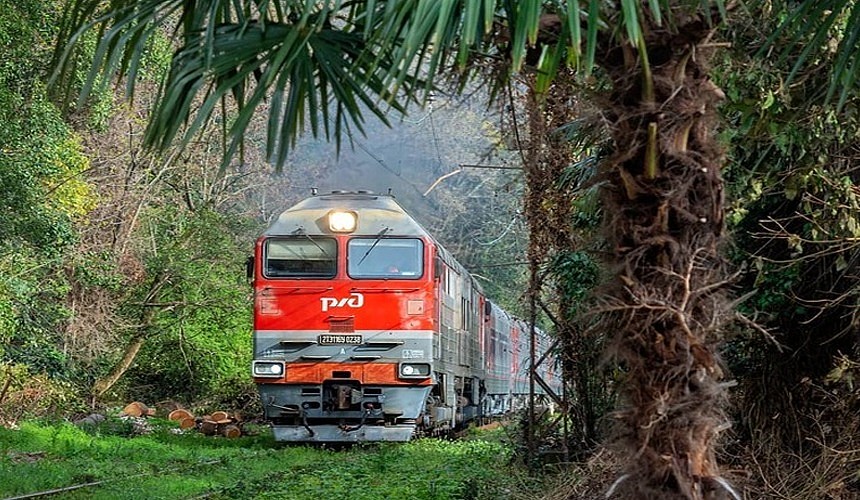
376, 212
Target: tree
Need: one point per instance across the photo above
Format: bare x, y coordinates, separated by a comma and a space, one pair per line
157, 294
43, 197
793, 179
314, 62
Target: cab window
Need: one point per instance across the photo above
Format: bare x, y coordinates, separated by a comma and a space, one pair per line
300, 258
401, 258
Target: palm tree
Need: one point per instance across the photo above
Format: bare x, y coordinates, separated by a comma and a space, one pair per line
325, 61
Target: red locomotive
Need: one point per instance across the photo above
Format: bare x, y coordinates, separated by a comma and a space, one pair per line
366, 329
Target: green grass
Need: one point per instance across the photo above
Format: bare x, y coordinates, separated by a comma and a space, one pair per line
39, 457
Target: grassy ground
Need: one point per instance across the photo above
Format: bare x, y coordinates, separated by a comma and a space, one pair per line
162, 464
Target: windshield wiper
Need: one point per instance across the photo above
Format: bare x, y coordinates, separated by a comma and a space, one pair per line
378, 238
301, 231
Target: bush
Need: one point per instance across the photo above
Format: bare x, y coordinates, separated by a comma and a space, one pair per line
26, 396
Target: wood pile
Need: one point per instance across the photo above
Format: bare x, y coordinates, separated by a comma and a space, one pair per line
219, 423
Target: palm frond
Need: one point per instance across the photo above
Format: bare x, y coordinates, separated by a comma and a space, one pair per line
815, 28
312, 63
301, 70
123, 29
288, 52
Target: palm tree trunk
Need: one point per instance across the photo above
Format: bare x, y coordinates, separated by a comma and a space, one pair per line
663, 199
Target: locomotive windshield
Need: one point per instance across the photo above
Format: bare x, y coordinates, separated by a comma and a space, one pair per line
300, 258
400, 258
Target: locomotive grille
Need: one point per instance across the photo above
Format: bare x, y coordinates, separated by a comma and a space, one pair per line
341, 325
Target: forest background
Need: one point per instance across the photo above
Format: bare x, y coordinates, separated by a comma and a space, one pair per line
121, 270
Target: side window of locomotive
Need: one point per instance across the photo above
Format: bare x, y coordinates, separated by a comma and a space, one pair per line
401, 258
300, 258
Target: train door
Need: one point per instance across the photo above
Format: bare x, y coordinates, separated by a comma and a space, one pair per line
482, 334
475, 332
470, 399
463, 337
441, 280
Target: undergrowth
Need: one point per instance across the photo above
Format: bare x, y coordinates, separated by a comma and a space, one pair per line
38, 457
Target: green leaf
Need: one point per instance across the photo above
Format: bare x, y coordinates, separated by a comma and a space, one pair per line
591, 36
844, 77
471, 15
630, 12
768, 101
574, 27
489, 13
654, 5
548, 64
810, 27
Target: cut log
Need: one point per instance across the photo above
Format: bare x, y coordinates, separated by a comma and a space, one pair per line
137, 409
231, 431
208, 427
179, 415
188, 423
220, 415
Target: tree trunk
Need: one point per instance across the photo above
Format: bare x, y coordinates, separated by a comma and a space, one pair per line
148, 313
549, 210
104, 384
663, 201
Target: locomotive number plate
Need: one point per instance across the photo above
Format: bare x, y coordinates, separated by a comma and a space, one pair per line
339, 339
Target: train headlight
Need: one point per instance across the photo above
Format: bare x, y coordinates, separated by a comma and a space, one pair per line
268, 368
414, 370
342, 221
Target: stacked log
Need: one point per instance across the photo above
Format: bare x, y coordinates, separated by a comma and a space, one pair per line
183, 417
231, 431
137, 409
218, 423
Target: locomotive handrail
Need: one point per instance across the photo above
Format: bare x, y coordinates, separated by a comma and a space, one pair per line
383, 342
367, 357
315, 356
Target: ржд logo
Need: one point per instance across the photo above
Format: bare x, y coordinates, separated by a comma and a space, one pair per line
354, 300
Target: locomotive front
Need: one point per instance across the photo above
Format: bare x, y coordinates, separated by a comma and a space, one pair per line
343, 320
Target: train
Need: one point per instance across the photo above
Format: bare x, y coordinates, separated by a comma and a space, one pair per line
367, 329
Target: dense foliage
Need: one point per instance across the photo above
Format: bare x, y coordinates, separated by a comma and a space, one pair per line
106, 251
795, 212
43, 197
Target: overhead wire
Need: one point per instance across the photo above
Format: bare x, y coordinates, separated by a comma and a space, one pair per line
380, 161
496, 240
435, 136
